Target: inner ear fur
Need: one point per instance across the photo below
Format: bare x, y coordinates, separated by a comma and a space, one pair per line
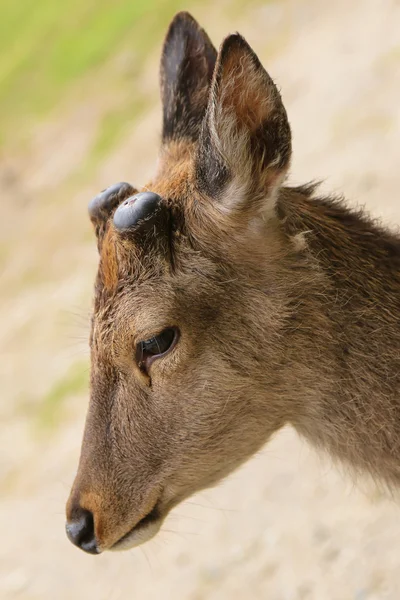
245, 139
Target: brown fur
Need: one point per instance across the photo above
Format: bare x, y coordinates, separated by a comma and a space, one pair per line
288, 307
109, 261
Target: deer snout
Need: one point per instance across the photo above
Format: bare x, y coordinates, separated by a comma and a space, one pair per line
95, 523
80, 530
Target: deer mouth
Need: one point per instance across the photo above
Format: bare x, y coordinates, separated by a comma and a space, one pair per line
143, 531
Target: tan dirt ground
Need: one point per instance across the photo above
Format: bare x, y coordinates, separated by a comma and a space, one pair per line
287, 526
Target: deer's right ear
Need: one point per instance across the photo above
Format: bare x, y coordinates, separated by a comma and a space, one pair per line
187, 64
102, 206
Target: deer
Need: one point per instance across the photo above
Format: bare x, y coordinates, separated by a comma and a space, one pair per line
227, 305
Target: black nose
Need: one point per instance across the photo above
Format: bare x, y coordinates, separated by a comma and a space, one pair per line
80, 531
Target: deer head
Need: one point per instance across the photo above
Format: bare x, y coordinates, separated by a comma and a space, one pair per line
187, 341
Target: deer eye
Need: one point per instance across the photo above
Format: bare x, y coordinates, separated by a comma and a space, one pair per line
149, 350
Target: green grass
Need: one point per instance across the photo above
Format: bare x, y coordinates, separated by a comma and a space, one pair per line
75, 381
113, 125
47, 47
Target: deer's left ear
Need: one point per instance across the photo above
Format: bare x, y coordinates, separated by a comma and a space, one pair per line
187, 64
245, 144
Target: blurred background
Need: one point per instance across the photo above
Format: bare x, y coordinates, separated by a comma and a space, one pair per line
79, 110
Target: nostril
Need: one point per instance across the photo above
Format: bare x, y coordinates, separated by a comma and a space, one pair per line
80, 531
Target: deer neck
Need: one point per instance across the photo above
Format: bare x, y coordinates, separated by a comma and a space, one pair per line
343, 359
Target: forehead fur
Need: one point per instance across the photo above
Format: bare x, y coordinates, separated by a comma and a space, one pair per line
109, 261
175, 174
121, 256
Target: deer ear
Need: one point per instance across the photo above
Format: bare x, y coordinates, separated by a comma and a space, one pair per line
187, 64
245, 144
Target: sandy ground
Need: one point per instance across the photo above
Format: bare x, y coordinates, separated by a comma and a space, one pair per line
287, 526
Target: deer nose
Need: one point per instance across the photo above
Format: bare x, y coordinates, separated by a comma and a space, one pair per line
80, 531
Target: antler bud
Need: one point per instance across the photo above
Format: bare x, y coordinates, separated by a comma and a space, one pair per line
138, 212
100, 206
